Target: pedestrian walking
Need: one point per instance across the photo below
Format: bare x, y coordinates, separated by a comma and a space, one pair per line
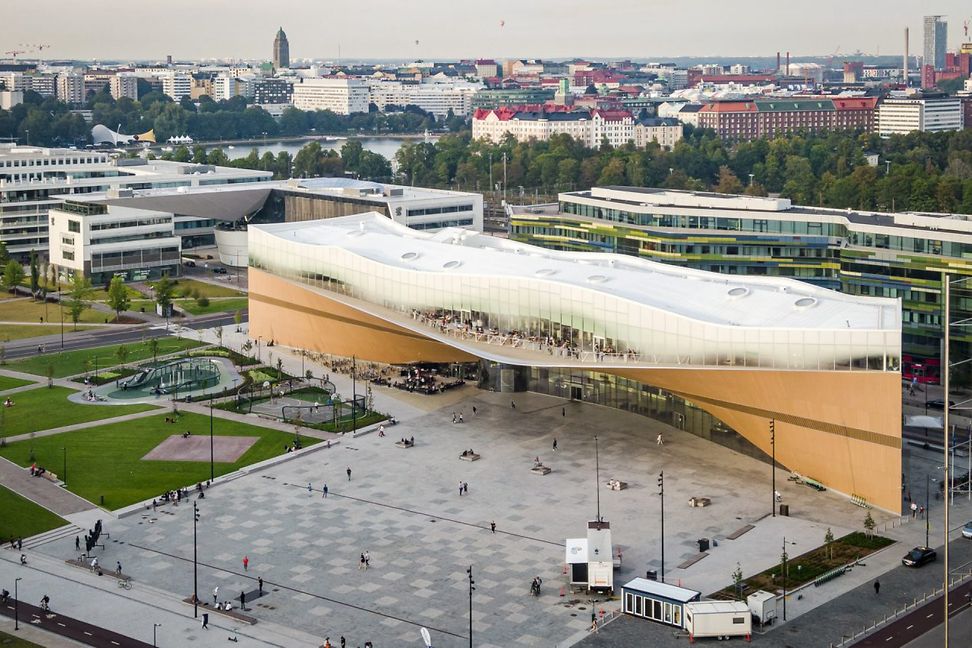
260, 585
914, 510
877, 587
309, 488
921, 512
460, 417
460, 488
492, 526
342, 641
324, 490
243, 600
555, 445
563, 411
454, 419
361, 563
367, 559
94, 564
513, 404
474, 410
205, 621
118, 568
465, 487
658, 439
246, 563
349, 473
77, 543
216, 595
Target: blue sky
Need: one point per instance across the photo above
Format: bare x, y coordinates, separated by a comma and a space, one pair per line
466, 28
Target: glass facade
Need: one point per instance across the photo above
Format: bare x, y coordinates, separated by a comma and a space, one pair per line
566, 320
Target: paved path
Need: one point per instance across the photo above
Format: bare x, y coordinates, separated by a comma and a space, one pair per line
65, 626
917, 623
41, 491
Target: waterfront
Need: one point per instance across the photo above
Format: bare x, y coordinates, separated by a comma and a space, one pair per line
386, 146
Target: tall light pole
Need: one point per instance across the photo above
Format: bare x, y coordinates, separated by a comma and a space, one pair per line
928, 512
783, 558
471, 590
504, 175
946, 368
16, 604
195, 563
773, 447
212, 469
661, 493
597, 478
64, 472
155, 627
354, 394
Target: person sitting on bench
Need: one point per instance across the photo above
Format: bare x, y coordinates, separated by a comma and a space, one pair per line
186, 434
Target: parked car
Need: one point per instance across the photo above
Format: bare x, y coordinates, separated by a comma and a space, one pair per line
939, 403
219, 270
919, 556
967, 530
189, 263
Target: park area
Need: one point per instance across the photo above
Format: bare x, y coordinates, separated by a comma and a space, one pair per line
72, 363
309, 406
107, 461
6, 382
22, 518
44, 408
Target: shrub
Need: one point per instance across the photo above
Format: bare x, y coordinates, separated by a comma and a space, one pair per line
202, 301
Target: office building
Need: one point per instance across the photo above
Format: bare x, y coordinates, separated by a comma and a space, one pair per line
104, 241
11, 98
281, 51
768, 118
928, 113
124, 85
746, 350
438, 98
899, 255
177, 85
591, 127
665, 131
935, 42
272, 91
70, 88
338, 94
493, 99
33, 180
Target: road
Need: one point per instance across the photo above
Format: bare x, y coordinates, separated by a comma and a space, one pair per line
917, 626
71, 628
103, 337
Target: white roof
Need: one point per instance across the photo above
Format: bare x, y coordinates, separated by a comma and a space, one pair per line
666, 590
576, 551
766, 302
716, 607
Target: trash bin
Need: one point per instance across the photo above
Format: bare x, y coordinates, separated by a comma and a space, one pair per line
785, 509
703, 544
651, 575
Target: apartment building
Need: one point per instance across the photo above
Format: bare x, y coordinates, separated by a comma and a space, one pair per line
767, 118
177, 85
438, 98
124, 85
337, 94
70, 88
899, 116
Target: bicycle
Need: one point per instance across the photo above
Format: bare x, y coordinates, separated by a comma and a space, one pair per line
125, 583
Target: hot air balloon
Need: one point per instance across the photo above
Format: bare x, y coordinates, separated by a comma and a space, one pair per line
502, 23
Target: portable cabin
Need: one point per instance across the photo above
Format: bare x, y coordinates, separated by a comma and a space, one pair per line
721, 619
656, 601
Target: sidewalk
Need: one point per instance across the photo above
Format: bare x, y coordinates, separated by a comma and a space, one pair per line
42, 492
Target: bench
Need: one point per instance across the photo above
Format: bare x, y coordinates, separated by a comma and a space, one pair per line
699, 502
404, 444
540, 469
470, 457
232, 613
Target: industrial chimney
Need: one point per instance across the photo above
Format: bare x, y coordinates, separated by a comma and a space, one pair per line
787, 64
906, 55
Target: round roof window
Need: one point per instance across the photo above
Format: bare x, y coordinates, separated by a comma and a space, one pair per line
597, 279
738, 291
545, 272
452, 264
410, 256
805, 302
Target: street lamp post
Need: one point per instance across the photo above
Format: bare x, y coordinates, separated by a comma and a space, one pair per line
471, 590
354, 394
212, 468
16, 605
60, 307
64, 472
927, 512
195, 563
661, 493
773, 446
784, 557
155, 627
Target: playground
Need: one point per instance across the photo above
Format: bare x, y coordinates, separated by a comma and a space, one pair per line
181, 378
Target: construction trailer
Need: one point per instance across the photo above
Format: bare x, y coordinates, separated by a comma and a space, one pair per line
764, 606
719, 619
590, 561
655, 601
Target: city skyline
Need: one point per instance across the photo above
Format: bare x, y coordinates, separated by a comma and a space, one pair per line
504, 28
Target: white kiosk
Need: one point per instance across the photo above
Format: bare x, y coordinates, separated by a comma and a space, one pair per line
590, 560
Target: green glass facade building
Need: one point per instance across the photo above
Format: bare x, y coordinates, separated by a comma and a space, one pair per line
899, 255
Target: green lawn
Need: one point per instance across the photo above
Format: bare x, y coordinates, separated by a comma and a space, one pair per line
10, 332
71, 363
22, 518
10, 641
106, 460
28, 310
9, 383
184, 286
45, 408
215, 305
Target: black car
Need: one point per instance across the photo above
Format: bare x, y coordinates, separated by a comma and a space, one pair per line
219, 270
939, 403
919, 556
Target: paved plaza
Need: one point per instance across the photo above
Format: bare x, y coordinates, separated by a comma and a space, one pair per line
403, 507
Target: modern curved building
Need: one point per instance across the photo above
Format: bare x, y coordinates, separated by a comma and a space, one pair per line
824, 366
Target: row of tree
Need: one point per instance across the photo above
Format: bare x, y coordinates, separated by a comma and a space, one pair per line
919, 171
49, 122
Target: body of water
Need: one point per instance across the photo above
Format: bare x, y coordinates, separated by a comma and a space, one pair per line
386, 146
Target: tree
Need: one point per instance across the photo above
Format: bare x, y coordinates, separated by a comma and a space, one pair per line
728, 182
869, 525
219, 335
828, 542
13, 274
34, 274
118, 299
50, 376
78, 295
122, 353
238, 319
164, 288
153, 345
737, 579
